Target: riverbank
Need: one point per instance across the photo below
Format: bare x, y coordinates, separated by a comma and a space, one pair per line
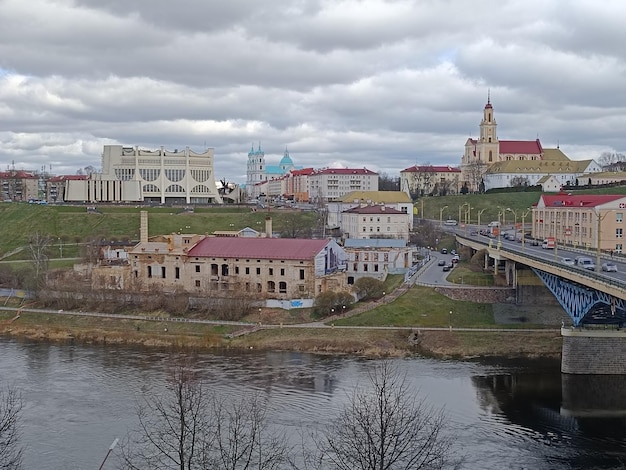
368, 342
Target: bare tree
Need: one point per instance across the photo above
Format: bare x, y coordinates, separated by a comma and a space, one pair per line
38, 246
474, 171
188, 428
10, 409
386, 427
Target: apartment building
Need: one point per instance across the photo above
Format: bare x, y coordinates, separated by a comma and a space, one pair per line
375, 221
330, 184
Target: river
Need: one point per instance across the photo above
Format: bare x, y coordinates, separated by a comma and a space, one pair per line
515, 415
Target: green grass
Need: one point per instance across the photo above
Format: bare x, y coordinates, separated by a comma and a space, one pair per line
423, 307
393, 281
461, 274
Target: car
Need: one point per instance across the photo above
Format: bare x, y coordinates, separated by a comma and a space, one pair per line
609, 267
453, 252
456, 258
442, 262
567, 261
444, 251
450, 265
446, 268
585, 263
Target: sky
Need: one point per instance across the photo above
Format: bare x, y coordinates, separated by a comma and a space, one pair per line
382, 84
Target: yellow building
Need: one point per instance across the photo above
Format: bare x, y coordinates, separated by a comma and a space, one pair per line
588, 220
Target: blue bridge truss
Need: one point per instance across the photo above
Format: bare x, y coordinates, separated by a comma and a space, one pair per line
583, 304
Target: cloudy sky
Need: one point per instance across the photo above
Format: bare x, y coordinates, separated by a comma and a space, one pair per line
384, 84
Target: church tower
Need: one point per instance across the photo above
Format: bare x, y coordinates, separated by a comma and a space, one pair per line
487, 147
255, 172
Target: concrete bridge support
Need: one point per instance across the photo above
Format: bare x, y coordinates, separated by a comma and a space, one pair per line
593, 351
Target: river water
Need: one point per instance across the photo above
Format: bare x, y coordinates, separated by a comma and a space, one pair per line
516, 415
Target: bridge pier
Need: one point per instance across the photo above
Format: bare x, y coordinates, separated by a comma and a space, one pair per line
593, 351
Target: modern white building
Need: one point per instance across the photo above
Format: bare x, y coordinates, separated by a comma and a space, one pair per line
330, 184
160, 176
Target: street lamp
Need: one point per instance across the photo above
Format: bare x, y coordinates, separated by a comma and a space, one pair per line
461, 207
61, 248
450, 320
524, 214
514, 216
441, 214
480, 212
111, 447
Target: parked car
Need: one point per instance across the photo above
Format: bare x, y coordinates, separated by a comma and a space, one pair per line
567, 261
442, 262
609, 267
450, 265
444, 251
446, 268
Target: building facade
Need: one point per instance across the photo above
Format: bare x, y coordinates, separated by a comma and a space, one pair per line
258, 171
377, 258
330, 184
155, 176
375, 221
424, 180
398, 200
19, 186
593, 221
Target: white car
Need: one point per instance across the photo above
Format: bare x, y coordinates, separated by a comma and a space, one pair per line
609, 267
567, 261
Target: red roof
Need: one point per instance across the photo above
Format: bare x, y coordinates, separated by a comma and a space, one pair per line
304, 171
582, 200
375, 209
345, 171
521, 146
16, 174
55, 179
258, 248
432, 169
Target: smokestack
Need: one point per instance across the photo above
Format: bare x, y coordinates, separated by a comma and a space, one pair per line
268, 227
143, 228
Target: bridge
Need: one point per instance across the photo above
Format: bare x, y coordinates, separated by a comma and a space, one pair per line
595, 301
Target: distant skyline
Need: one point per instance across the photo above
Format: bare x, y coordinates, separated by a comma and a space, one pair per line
382, 84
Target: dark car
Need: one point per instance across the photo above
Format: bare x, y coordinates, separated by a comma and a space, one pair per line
444, 251
442, 262
446, 268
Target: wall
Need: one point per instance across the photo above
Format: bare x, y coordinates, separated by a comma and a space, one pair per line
593, 351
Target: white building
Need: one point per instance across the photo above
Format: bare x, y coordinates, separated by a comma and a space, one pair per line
330, 184
259, 171
375, 221
398, 200
130, 174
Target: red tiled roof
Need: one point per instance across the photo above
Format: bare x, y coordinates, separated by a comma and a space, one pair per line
582, 200
432, 169
258, 248
375, 209
304, 171
16, 174
55, 179
345, 171
521, 146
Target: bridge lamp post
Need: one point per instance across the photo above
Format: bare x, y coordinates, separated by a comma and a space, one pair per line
461, 207
441, 215
524, 214
508, 209
480, 212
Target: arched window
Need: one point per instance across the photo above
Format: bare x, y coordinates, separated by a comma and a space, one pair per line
271, 286
175, 188
150, 188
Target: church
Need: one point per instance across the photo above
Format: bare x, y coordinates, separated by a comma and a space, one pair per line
257, 171
482, 153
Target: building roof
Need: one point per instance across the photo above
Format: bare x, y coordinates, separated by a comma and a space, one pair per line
57, 179
577, 200
539, 166
17, 174
374, 243
258, 248
345, 171
374, 209
555, 154
304, 171
431, 169
376, 197
521, 146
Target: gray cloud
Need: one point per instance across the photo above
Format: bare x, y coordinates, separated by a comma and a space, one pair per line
379, 83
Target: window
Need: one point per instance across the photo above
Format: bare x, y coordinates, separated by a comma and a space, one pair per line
258, 271
271, 271
271, 286
282, 271
302, 274
365, 267
197, 282
163, 272
177, 273
149, 271
618, 233
247, 270
236, 269
282, 287
214, 269
376, 268
619, 217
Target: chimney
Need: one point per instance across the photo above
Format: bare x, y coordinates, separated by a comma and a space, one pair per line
143, 229
268, 227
